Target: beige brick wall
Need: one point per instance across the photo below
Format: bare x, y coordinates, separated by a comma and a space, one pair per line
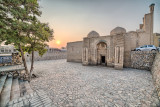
47, 56
156, 39
74, 51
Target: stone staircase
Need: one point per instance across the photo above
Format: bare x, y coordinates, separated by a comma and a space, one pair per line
12, 88
37, 99
15, 92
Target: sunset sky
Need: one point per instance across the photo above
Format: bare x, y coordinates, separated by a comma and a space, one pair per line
72, 20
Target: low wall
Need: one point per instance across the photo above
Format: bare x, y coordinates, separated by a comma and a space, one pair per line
156, 73
48, 56
142, 59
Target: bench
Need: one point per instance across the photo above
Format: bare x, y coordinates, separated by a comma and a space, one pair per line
12, 69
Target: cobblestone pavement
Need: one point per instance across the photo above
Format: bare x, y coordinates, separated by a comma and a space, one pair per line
71, 84
36, 99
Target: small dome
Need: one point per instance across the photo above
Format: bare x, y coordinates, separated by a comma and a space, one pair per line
93, 34
118, 30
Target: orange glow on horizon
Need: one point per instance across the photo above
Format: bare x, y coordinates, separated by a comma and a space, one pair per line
58, 42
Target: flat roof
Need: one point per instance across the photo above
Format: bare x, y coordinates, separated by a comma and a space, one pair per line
74, 42
5, 54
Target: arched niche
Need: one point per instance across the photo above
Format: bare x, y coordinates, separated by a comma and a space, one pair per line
102, 53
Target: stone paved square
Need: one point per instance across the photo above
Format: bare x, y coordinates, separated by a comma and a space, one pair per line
72, 84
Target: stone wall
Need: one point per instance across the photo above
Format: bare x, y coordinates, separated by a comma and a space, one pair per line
156, 73
74, 51
142, 59
48, 56
156, 39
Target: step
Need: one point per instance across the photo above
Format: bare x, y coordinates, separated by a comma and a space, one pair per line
15, 92
37, 99
5, 95
28, 88
22, 88
2, 81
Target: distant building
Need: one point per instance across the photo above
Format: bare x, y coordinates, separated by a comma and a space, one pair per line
9, 55
53, 50
51, 54
7, 49
156, 39
114, 49
63, 49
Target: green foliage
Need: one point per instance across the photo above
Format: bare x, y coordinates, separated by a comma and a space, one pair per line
20, 26
38, 34
15, 17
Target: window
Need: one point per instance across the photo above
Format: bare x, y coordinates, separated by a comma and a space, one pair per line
145, 46
2, 50
150, 45
6, 50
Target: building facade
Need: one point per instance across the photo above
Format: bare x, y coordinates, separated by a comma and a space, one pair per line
156, 39
7, 49
114, 49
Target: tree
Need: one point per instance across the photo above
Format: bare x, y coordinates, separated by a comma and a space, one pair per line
19, 26
15, 18
4, 21
38, 34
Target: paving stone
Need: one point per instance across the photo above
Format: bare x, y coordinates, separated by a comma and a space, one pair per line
26, 102
15, 105
35, 100
36, 104
71, 84
20, 104
15, 101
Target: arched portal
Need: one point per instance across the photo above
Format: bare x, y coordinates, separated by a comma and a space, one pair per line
101, 53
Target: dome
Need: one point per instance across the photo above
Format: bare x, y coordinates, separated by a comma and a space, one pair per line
93, 34
118, 30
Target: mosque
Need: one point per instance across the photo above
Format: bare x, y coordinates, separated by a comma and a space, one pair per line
113, 50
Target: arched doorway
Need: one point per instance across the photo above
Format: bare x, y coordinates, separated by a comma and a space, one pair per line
101, 53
